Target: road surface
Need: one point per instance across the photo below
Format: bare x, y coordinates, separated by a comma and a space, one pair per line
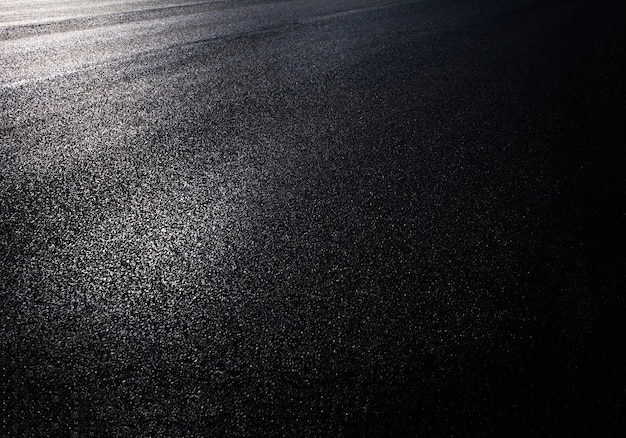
312, 218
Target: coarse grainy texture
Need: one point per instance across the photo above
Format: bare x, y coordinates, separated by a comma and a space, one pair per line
312, 218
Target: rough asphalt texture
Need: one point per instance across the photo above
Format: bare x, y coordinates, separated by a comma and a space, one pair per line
312, 218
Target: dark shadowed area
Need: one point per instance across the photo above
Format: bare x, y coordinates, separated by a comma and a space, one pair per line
312, 218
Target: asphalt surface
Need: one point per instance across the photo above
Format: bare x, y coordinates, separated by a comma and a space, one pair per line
312, 218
